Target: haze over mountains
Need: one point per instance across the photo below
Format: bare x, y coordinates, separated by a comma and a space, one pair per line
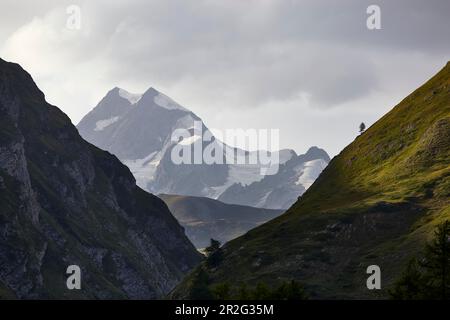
138, 130
281, 190
377, 203
65, 202
205, 218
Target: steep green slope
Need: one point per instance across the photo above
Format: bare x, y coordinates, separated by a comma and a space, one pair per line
377, 202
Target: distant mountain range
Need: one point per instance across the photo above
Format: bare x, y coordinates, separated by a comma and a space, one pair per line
65, 202
377, 203
205, 218
280, 190
138, 130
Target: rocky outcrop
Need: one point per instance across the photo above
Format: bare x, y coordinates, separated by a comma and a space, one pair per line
65, 202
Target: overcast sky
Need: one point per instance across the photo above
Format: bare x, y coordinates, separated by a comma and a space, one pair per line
309, 68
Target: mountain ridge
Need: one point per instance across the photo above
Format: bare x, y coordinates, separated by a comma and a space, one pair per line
140, 135
280, 191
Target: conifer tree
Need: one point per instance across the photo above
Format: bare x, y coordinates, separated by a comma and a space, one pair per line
362, 127
428, 278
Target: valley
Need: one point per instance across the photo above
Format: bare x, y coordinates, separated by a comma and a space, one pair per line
66, 202
377, 203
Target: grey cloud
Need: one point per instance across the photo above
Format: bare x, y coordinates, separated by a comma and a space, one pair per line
227, 54
257, 41
263, 50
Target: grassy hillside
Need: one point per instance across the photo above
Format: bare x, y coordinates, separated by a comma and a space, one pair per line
376, 203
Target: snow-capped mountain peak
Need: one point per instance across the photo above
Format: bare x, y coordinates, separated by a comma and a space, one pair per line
138, 130
102, 124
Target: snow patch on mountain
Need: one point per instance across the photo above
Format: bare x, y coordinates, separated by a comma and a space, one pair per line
237, 174
190, 140
186, 122
102, 124
309, 171
244, 174
263, 200
164, 101
131, 97
144, 169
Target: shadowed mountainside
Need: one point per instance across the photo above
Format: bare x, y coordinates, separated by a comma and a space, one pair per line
65, 202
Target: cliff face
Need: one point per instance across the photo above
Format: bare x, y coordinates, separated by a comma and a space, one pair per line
65, 202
